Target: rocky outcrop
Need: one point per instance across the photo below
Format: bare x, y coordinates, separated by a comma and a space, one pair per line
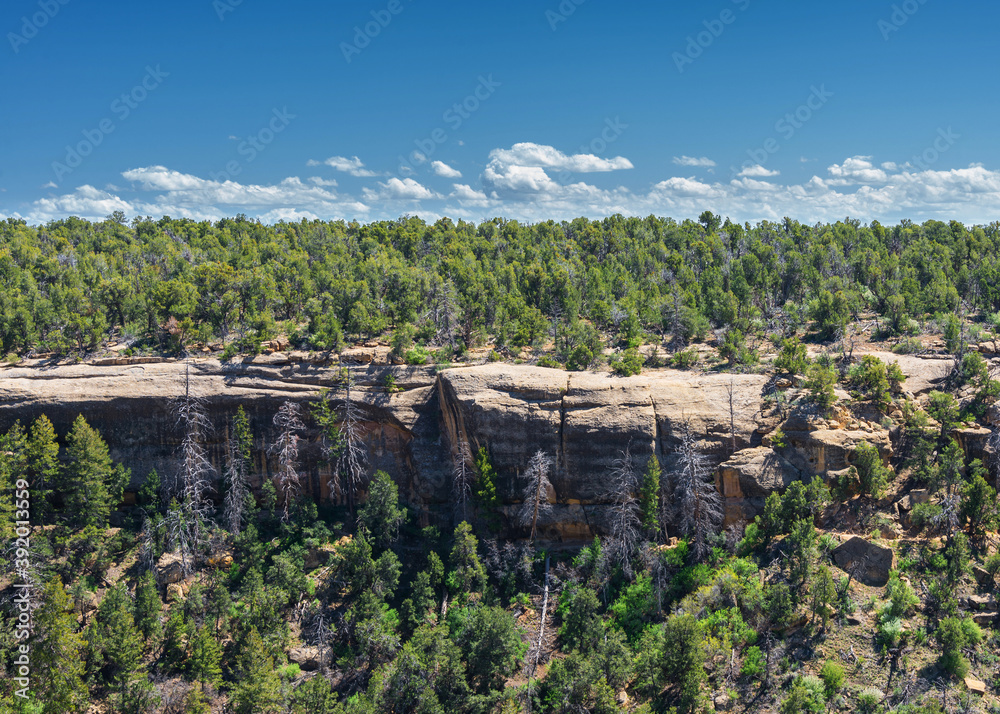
867, 562
748, 477
817, 445
586, 421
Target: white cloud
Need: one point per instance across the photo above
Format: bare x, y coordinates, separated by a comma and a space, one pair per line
702, 161
50, 184
353, 166
856, 170
856, 187
758, 171
532, 155
400, 190
443, 169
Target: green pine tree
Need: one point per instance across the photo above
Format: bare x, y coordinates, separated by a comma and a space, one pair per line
258, 687
43, 466
114, 642
148, 608
92, 485
649, 496
486, 491
204, 664
57, 662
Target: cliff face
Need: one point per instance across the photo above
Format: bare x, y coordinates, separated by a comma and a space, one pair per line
582, 421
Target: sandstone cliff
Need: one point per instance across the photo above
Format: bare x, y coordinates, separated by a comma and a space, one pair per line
582, 421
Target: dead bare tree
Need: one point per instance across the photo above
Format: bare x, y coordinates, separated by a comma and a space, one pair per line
461, 480
698, 502
288, 422
237, 473
626, 519
730, 390
190, 505
351, 461
535, 497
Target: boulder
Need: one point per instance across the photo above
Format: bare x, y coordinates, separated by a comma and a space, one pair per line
169, 569
865, 561
308, 658
983, 577
975, 686
175, 593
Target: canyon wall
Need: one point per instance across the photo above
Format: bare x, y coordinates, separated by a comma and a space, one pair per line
582, 421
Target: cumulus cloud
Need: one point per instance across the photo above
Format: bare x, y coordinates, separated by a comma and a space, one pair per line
527, 154
700, 161
400, 190
353, 166
162, 191
856, 187
857, 170
758, 171
443, 169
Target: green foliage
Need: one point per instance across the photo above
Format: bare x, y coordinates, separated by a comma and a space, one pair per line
871, 376
487, 500
792, 358
829, 311
634, 608
467, 574
57, 662
684, 359
628, 364
873, 476
955, 634
258, 687
754, 663
833, 678
978, 510
806, 695
491, 645
92, 486
582, 626
649, 496
381, 515
820, 384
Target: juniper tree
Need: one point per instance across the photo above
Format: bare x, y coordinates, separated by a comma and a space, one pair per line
286, 449
699, 506
535, 496
649, 496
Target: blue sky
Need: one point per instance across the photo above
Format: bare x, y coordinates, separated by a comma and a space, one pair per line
530, 110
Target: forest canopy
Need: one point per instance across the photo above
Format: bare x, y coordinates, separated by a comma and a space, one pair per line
71, 285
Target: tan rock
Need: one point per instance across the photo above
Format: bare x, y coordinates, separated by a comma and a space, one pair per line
169, 568
975, 686
175, 593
